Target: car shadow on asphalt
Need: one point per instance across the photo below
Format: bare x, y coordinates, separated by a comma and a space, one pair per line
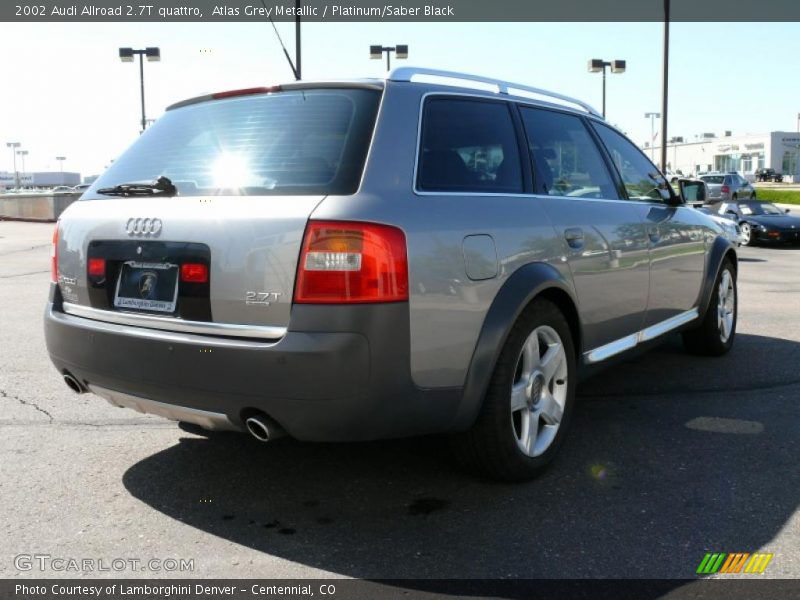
669, 456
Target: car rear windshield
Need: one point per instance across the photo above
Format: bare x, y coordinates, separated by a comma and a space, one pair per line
713, 178
311, 141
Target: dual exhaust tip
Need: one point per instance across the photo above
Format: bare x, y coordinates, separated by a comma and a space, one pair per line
73, 384
263, 428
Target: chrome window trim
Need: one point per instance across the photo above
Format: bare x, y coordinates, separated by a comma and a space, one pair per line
511, 100
631, 341
150, 322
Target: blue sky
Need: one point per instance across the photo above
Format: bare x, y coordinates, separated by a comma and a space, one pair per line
66, 93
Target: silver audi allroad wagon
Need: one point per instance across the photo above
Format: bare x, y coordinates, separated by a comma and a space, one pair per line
353, 260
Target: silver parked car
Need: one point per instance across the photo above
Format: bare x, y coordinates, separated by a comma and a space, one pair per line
380, 258
728, 187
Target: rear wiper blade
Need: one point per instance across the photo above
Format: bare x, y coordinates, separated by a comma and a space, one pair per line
161, 187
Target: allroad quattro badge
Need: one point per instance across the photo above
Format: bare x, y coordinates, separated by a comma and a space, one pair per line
143, 226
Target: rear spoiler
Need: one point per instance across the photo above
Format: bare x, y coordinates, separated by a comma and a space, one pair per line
370, 84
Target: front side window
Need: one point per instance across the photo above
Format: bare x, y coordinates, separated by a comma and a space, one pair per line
566, 158
641, 178
468, 146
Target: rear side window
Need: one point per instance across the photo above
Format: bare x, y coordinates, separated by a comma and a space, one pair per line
712, 178
566, 158
641, 177
468, 146
286, 143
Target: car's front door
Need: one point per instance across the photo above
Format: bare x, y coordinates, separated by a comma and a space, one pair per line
676, 234
603, 238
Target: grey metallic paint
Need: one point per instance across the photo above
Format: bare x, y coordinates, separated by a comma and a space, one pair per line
364, 372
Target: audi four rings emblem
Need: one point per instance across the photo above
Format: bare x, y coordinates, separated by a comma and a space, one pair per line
143, 226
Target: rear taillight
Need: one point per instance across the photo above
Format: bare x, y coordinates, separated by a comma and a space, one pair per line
725, 189
194, 273
351, 262
97, 267
54, 257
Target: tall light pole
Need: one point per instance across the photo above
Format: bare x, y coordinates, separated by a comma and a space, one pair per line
598, 65
665, 88
14, 146
152, 54
297, 58
23, 154
61, 160
400, 51
652, 116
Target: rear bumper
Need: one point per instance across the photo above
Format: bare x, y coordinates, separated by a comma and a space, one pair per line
339, 374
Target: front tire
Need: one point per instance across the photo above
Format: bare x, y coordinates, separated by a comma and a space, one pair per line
747, 234
715, 334
529, 400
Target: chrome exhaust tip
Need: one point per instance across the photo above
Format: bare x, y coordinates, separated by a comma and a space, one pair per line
75, 385
263, 428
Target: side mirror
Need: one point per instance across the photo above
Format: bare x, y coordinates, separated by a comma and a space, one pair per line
692, 190
669, 198
786, 210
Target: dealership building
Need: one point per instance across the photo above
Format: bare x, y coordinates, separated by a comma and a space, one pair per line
779, 150
39, 179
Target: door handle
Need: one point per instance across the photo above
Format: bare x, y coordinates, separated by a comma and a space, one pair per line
654, 233
574, 237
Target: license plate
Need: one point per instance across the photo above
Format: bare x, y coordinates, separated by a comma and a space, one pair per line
147, 286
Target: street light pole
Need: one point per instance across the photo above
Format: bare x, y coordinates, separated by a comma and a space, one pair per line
400, 52
141, 89
652, 116
23, 154
598, 65
14, 146
152, 54
665, 88
297, 5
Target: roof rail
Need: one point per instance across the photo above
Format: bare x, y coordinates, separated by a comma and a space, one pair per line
502, 87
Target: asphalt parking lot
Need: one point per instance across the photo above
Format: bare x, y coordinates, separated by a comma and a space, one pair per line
670, 456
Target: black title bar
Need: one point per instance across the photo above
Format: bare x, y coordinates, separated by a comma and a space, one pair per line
220, 11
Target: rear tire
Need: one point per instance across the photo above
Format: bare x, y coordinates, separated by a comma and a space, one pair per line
529, 401
715, 334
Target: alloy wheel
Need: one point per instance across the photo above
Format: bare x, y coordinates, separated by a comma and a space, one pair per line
539, 391
726, 305
746, 233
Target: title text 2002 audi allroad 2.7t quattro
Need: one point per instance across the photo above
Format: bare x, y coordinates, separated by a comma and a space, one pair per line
370, 259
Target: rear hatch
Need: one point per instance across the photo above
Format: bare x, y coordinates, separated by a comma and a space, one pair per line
714, 185
249, 169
